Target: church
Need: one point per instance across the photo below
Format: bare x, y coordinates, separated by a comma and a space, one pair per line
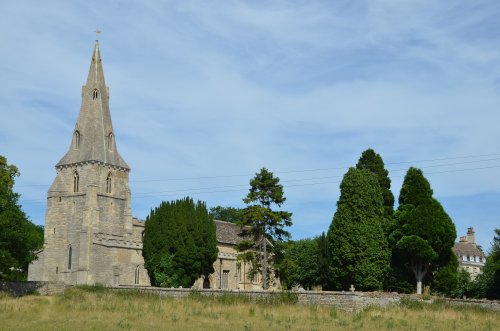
90, 234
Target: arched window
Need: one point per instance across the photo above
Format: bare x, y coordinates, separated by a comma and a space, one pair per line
108, 183
206, 282
95, 94
77, 139
70, 256
109, 141
137, 274
76, 181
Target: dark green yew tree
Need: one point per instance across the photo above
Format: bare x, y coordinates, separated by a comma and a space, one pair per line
265, 224
424, 233
19, 238
359, 254
372, 161
179, 243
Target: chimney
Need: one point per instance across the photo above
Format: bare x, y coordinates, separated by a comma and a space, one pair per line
471, 238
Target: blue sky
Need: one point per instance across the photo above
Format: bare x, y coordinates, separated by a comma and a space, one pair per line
203, 89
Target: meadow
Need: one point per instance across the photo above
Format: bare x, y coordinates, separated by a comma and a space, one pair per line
102, 309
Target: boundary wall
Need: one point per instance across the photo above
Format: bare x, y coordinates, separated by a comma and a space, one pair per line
350, 301
23, 288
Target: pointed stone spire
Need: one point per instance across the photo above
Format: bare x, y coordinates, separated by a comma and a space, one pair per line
93, 137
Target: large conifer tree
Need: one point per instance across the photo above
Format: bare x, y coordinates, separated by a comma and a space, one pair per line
372, 161
359, 254
424, 233
264, 223
179, 243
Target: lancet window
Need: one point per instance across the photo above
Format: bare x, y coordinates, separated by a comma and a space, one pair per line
137, 274
109, 141
108, 183
76, 182
77, 139
70, 256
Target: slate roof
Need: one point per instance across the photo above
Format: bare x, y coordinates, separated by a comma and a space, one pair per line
227, 232
465, 248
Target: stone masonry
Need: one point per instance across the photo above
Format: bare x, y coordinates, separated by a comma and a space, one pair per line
90, 235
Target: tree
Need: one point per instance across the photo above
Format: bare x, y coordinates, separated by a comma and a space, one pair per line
424, 233
464, 284
487, 284
447, 279
323, 261
179, 243
299, 265
227, 214
372, 161
359, 254
265, 224
19, 238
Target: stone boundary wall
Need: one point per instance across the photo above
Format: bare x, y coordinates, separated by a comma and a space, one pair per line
341, 300
485, 304
22, 288
349, 301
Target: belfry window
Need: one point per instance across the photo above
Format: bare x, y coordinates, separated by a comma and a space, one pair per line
70, 256
109, 141
77, 139
95, 94
108, 183
76, 181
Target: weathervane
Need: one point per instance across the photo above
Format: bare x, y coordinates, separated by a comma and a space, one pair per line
97, 32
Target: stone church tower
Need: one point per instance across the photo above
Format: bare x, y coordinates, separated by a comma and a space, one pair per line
90, 234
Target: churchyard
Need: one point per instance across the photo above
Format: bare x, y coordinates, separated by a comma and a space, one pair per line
97, 308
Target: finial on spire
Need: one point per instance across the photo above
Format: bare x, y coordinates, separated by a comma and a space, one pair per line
97, 33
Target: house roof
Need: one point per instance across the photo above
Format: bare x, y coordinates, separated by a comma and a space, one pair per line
465, 248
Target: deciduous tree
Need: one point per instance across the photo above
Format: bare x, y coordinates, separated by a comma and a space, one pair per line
19, 238
227, 214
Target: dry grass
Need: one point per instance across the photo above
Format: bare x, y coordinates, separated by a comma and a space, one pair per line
100, 309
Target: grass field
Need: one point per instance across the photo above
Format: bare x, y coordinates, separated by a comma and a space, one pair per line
101, 309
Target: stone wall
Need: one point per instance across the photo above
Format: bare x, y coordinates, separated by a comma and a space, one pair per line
484, 304
348, 301
340, 300
23, 288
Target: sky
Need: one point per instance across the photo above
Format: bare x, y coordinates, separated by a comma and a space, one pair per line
205, 93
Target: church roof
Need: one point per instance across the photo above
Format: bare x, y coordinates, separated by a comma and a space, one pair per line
227, 233
93, 137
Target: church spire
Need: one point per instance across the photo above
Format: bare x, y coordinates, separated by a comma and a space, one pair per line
93, 137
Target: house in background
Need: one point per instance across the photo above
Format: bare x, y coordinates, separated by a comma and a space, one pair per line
470, 257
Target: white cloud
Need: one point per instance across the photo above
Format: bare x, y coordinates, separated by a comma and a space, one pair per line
203, 89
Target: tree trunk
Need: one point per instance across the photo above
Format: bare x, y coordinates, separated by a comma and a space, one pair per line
419, 270
264, 263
